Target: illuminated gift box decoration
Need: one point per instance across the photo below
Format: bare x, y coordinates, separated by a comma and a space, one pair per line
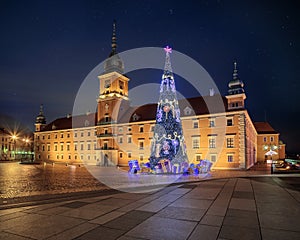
165, 165
134, 166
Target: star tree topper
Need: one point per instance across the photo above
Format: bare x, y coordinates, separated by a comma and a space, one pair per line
168, 49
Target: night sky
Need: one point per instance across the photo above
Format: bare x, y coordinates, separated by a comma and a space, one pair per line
48, 47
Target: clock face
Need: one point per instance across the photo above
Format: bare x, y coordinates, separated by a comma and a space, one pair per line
107, 83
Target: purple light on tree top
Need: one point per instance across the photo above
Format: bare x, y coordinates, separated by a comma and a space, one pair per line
168, 49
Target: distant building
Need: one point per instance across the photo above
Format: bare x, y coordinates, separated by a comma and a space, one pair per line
6, 145
118, 132
268, 139
15, 146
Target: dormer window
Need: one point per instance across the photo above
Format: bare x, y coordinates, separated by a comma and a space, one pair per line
187, 111
135, 117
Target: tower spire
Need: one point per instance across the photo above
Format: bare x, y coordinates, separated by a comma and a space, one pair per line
114, 63
113, 40
235, 71
41, 110
236, 86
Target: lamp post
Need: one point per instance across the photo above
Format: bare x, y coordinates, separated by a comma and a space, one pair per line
14, 138
26, 148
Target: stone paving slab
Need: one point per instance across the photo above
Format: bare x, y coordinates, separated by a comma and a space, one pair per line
219, 209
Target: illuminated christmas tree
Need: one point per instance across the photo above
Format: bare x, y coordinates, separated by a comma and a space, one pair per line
168, 140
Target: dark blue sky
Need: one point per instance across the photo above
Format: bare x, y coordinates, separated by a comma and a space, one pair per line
48, 47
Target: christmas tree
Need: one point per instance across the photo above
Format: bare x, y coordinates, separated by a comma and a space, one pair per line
168, 140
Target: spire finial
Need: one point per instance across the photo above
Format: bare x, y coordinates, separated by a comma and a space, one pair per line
113, 40
235, 71
41, 109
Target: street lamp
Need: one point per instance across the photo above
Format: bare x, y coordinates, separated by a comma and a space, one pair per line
14, 138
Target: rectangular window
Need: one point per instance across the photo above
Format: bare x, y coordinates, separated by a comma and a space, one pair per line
69, 156
212, 142
61, 147
61, 135
55, 147
213, 158
196, 142
152, 128
195, 124
81, 134
48, 147
121, 155
198, 157
89, 134
43, 137
68, 135
89, 146
105, 145
81, 146
229, 158
121, 83
265, 139
120, 139
48, 136
43, 148
68, 146
62, 156
212, 122
229, 142
272, 139
129, 129
141, 157
229, 122
55, 136
129, 139
75, 134
75, 146
120, 129
141, 144
129, 154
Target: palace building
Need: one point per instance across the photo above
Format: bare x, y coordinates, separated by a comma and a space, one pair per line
119, 132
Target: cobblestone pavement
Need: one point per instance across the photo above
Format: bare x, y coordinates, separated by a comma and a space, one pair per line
25, 183
21, 180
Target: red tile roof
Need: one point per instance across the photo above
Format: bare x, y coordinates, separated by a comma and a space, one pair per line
198, 106
264, 128
85, 120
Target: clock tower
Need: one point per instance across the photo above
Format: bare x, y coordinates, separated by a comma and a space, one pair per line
113, 91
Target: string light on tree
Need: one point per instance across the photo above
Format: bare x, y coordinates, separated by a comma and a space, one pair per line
168, 140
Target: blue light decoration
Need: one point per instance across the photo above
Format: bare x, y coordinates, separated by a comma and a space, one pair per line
168, 151
134, 166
